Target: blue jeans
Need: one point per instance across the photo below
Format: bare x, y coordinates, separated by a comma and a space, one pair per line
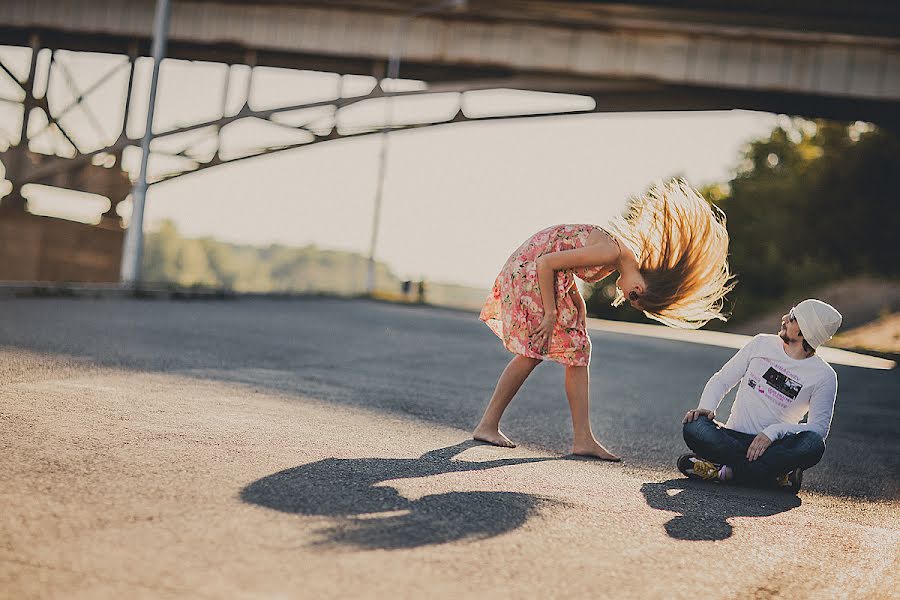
725, 446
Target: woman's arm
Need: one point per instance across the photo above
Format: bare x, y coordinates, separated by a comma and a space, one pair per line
547, 286
603, 253
579, 303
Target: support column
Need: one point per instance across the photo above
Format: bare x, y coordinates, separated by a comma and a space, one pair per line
132, 249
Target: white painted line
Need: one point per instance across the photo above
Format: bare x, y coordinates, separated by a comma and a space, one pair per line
731, 340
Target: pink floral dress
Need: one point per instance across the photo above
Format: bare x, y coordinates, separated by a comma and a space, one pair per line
514, 309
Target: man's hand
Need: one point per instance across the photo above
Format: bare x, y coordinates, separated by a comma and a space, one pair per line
693, 415
758, 446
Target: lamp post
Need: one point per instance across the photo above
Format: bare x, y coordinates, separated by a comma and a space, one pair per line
393, 73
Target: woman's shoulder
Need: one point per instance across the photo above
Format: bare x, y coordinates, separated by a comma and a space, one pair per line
581, 234
600, 235
568, 230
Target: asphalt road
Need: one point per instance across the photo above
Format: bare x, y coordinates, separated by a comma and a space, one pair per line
317, 448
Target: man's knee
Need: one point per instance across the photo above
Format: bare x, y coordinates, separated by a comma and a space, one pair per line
811, 446
698, 430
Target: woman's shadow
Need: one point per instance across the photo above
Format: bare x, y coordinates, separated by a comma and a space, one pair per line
346, 490
706, 507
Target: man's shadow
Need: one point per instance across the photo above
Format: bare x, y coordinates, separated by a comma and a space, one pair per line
705, 507
345, 489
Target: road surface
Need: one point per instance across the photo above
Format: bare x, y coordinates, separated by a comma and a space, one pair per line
319, 449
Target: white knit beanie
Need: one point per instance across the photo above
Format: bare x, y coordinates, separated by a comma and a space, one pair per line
818, 321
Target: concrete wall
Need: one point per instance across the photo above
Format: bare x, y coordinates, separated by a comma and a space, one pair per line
34, 248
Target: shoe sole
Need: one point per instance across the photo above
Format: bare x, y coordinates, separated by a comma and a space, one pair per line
795, 484
684, 463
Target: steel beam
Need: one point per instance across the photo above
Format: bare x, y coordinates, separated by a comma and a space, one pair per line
132, 250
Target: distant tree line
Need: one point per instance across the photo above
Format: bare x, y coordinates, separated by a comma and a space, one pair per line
810, 204
171, 258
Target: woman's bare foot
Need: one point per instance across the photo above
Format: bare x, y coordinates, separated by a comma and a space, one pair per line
492, 435
595, 450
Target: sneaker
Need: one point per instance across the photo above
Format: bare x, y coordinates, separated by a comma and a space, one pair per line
695, 467
791, 481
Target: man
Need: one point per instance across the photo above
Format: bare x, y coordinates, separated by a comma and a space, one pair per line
781, 380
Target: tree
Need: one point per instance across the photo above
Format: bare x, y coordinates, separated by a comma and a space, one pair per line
169, 258
811, 203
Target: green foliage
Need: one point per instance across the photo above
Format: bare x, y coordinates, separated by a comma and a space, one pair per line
597, 299
172, 259
810, 204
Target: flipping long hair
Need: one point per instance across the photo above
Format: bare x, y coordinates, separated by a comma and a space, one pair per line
681, 244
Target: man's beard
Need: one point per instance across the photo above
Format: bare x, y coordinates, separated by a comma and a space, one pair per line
783, 334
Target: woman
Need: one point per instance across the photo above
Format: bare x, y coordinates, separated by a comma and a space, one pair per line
670, 250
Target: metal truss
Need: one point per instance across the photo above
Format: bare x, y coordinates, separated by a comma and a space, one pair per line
96, 172
333, 131
99, 170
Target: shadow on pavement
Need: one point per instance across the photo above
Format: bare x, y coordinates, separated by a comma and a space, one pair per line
704, 508
430, 365
346, 490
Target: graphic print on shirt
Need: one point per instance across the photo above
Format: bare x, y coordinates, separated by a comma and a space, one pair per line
774, 382
781, 382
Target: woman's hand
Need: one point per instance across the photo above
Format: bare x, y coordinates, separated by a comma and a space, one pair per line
580, 307
544, 332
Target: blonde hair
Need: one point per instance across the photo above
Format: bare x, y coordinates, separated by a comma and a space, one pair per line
681, 244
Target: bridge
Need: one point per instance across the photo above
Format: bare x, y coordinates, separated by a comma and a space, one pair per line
838, 60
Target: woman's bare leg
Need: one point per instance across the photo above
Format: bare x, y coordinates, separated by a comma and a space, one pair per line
578, 392
512, 378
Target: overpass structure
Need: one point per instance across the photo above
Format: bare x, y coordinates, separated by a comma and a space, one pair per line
830, 58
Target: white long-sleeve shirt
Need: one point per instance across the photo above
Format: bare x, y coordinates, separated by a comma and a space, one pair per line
775, 391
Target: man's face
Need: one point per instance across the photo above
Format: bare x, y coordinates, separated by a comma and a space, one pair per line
790, 328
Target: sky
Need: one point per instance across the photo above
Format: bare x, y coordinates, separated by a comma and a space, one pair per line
458, 199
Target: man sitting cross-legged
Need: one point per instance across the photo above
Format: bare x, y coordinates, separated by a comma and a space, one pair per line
781, 380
